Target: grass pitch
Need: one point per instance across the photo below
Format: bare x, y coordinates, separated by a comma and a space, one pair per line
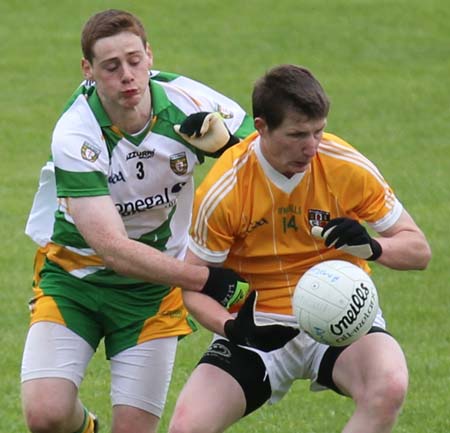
385, 67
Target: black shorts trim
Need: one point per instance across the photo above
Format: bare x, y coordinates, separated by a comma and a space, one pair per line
245, 366
325, 375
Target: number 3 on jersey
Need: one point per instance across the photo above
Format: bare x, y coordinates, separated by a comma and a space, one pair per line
140, 170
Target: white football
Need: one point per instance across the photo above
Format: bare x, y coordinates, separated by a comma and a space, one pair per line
335, 302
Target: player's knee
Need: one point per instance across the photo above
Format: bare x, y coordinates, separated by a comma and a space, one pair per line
177, 425
41, 421
385, 399
46, 414
394, 393
181, 422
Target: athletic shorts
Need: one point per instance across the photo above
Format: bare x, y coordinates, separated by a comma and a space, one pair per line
124, 317
300, 358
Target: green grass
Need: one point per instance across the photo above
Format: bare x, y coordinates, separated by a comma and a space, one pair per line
385, 66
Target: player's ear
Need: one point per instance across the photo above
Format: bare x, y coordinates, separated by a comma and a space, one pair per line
86, 68
149, 53
260, 125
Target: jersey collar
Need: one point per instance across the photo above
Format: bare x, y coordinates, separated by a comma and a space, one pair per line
98, 110
280, 180
160, 102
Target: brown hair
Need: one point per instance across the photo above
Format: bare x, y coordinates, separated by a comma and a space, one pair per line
109, 23
288, 87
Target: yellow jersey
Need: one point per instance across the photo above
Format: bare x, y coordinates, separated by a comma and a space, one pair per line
258, 222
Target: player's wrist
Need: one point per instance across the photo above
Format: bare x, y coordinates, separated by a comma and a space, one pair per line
231, 142
229, 330
377, 250
206, 131
209, 287
225, 286
239, 333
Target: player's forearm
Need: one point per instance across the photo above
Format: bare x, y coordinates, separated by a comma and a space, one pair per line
102, 228
405, 251
137, 260
209, 313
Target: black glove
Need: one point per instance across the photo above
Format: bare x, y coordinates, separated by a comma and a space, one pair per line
225, 286
206, 131
244, 331
350, 236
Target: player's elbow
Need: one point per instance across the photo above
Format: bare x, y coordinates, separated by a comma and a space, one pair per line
111, 262
113, 253
419, 252
425, 257
418, 256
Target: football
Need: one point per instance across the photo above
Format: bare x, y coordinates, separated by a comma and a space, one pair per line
335, 302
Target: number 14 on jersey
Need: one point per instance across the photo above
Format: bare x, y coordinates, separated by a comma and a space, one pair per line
289, 223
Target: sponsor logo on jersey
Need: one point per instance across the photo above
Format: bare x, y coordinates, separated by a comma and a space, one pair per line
178, 163
116, 177
145, 154
255, 224
318, 217
90, 152
145, 203
290, 208
151, 201
177, 187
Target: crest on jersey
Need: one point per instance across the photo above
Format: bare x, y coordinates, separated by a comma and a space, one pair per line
90, 152
318, 218
178, 163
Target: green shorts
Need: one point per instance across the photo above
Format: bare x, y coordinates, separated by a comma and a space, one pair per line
124, 317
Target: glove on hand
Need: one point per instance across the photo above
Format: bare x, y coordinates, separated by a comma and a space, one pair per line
350, 236
206, 131
225, 286
244, 331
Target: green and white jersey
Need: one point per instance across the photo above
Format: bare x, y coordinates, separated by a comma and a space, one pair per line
149, 175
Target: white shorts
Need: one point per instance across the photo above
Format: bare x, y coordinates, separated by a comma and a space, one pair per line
140, 375
300, 358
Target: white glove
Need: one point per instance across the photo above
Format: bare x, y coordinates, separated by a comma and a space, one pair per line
205, 131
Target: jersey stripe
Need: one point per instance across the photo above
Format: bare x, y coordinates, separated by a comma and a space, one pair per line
349, 154
216, 193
